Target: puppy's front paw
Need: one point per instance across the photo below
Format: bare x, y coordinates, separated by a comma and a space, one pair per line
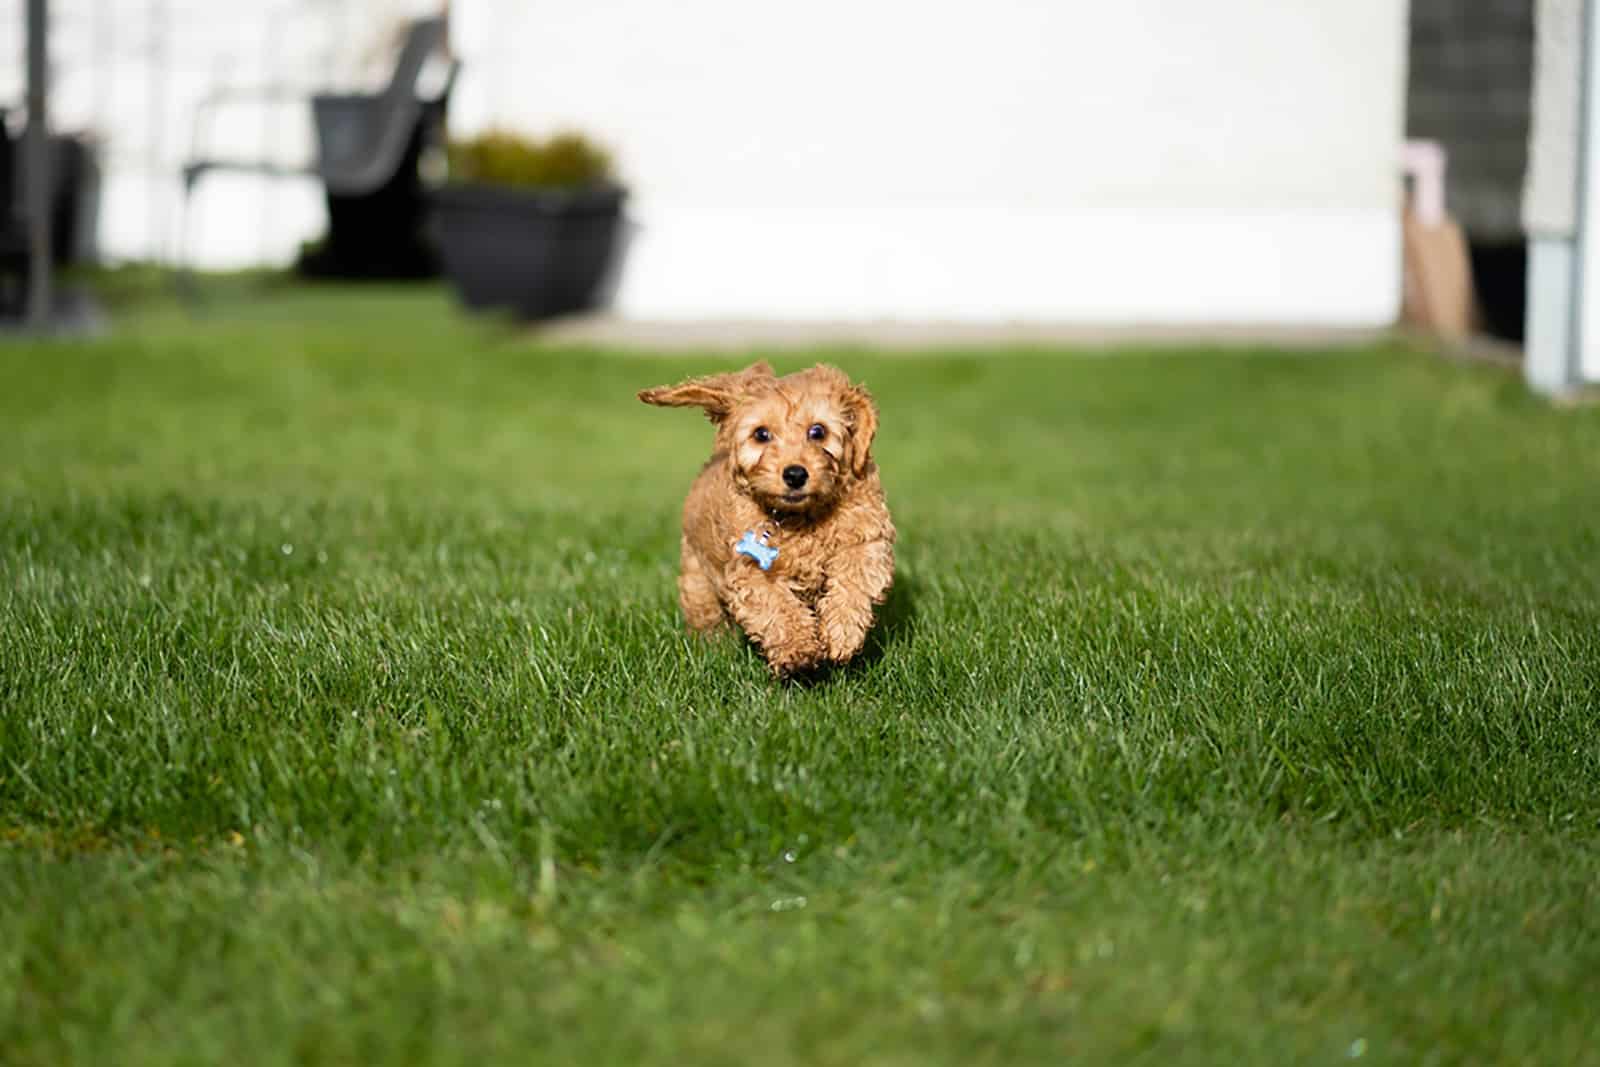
842, 648
801, 653
844, 631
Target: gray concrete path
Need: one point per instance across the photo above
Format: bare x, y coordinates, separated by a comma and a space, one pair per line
610, 331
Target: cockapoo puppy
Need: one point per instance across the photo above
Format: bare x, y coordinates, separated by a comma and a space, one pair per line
785, 530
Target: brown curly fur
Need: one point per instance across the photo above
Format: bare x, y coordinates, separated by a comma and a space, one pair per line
834, 538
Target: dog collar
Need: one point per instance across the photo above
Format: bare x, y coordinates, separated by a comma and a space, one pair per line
776, 518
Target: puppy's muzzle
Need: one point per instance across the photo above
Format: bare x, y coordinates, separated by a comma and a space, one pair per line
795, 476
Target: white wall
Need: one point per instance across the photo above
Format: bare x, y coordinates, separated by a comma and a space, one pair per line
1137, 161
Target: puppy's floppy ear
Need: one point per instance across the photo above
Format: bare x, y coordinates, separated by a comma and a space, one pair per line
715, 394
862, 415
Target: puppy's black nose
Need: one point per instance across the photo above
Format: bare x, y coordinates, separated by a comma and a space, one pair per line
794, 476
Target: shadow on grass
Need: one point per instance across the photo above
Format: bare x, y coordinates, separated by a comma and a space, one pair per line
894, 622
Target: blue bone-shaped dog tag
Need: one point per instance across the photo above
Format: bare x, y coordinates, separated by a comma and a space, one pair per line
759, 551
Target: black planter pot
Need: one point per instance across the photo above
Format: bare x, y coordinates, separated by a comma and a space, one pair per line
537, 252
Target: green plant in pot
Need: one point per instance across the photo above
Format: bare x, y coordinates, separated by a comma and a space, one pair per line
528, 225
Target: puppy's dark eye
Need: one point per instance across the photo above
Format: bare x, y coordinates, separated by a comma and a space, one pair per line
762, 434
817, 431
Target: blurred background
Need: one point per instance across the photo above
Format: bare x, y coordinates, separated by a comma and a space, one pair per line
1239, 163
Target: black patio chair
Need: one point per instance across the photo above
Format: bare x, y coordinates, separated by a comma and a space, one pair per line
368, 150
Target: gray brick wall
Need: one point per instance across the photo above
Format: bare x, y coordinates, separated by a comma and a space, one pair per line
1470, 89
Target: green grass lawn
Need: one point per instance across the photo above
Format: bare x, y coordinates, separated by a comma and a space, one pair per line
1230, 707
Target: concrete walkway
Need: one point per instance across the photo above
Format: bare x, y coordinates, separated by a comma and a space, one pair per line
608, 331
